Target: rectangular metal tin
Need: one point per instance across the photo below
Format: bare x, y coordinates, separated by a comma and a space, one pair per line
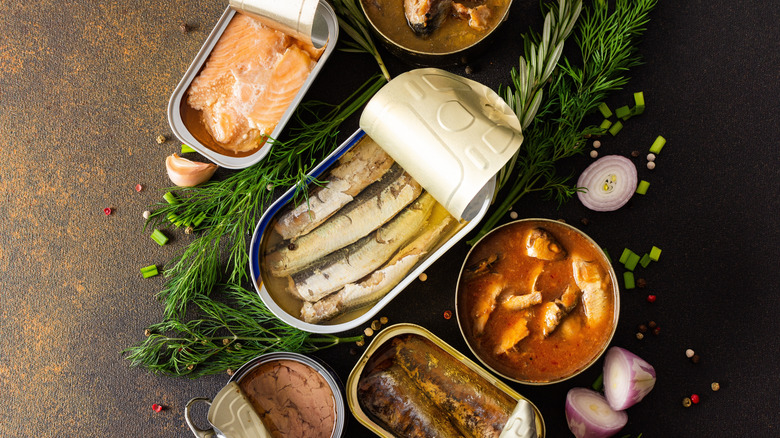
178, 97
402, 329
293, 320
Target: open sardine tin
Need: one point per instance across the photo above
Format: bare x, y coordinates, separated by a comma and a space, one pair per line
525, 422
312, 21
451, 134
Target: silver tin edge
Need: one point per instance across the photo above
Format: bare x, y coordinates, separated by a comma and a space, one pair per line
180, 130
337, 328
616, 296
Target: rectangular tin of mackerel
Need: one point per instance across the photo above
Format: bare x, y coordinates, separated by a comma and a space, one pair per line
187, 123
407, 364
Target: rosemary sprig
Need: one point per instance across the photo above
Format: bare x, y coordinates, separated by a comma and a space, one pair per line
232, 206
608, 45
355, 24
224, 338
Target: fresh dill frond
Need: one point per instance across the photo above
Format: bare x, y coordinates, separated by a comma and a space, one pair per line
224, 337
355, 24
608, 43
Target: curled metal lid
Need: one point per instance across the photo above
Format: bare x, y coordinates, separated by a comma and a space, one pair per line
450, 133
232, 414
297, 18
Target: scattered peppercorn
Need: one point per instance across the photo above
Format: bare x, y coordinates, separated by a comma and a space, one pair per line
190, 367
138, 187
147, 333
447, 314
695, 358
184, 27
189, 230
383, 320
635, 154
360, 343
642, 328
562, 220
147, 213
656, 330
107, 211
353, 351
292, 246
650, 157
368, 331
513, 215
689, 353
651, 165
652, 324
375, 325
694, 398
269, 187
423, 276
161, 139
640, 336
651, 298
229, 372
687, 402
715, 386
597, 144
594, 153
641, 282
585, 221
469, 70
157, 408
225, 341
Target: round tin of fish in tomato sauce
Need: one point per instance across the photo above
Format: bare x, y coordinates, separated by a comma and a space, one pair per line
292, 394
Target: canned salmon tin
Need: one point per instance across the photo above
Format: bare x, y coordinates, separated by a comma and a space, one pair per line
242, 151
296, 395
405, 359
273, 291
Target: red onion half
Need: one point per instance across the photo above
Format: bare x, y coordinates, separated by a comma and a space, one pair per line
627, 378
589, 415
610, 182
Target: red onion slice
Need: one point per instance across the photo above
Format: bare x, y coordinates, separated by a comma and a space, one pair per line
627, 378
589, 415
610, 182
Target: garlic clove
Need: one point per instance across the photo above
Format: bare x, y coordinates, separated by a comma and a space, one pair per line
187, 173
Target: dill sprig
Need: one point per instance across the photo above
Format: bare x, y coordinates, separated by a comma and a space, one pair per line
225, 337
608, 45
232, 206
355, 24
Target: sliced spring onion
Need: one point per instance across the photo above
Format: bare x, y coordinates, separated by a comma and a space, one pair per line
658, 144
174, 219
645, 260
185, 149
631, 261
627, 378
149, 271
598, 384
628, 280
609, 183
159, 237
655, 253
606, 253
616, 127
605, 124
199, 218
589, 416
605, 111
624, 256
170, 198
641, 189
624, 112
639, 100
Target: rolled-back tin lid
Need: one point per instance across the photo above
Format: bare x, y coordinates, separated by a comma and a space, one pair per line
297, 18
450, 133
232, 414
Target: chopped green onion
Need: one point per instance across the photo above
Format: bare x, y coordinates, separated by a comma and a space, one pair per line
628, 280
149, 271
598, 384
185, 149
605, 111
170, 198
639, 100
655, 253
606, 253
658, 144
605, 124
624, 256
631, 261
159, 237
624, 112
616, 127
645, 260
199, 218
641, 189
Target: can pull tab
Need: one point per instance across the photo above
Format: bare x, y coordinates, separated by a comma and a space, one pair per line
297, 18
521, 423
199, 433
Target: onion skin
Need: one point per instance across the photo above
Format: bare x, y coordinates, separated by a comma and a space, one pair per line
186, 173
589, 415
627, 378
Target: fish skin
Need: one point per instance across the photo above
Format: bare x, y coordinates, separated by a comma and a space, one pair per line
372, 288
425, 16
359, 259
360, 166
486, 301
374, 206
520, 302
540, 244
590, 279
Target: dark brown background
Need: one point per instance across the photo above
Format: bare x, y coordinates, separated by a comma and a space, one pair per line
83, 91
